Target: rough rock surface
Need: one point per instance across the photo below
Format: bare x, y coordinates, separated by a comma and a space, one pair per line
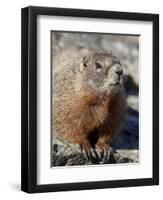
125, 147
64, 156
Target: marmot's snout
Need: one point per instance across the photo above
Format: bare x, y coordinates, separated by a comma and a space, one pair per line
115, 75
118, 70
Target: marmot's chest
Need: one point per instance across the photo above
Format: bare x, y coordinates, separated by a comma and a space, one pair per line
99, 111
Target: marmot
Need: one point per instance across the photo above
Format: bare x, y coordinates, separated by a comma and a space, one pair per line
89, 102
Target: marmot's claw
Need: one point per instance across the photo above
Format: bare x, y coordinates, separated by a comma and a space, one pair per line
104, 154
89, 153
94, 154
99, 152
86, 154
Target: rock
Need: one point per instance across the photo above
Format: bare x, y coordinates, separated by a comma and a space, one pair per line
133, 102
64, 158
126, 156
68, 155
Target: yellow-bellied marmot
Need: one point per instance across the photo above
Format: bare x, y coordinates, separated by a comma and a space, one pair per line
88, 102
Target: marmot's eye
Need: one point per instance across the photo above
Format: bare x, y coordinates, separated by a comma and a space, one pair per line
98, 66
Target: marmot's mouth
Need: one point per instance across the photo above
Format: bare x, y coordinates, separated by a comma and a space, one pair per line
116, 83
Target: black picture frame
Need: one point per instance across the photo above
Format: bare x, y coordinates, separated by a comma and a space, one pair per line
29, 98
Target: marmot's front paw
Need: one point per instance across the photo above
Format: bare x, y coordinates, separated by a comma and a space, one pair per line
88, 151
103, 152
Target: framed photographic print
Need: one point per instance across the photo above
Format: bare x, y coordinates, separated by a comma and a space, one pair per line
90, 99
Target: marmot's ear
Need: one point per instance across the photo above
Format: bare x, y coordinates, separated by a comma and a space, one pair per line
85, 61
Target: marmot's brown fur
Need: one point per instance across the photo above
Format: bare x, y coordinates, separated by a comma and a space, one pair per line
89, 102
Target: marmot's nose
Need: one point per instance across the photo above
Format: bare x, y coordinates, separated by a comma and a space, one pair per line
118, 70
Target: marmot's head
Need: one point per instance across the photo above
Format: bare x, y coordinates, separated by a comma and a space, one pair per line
102, 71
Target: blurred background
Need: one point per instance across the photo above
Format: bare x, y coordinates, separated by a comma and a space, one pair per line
126, 48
